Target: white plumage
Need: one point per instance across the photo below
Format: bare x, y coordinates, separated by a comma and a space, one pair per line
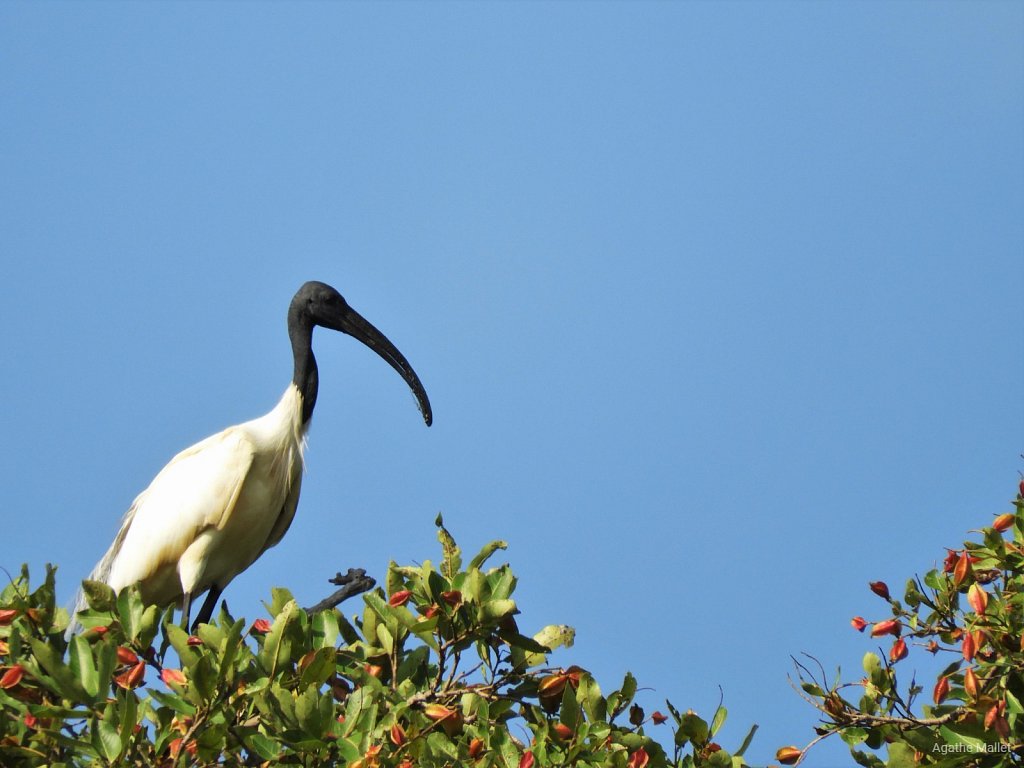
219, 505
207, 516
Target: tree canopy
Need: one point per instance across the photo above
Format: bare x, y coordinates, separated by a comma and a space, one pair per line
435, 671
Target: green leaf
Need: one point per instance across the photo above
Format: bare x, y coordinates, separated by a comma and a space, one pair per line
589, 697
64, 680
106, 663
325, 707
98, 596
391, 616
394, 581
746, 741
360, 711
212, 739
488, 550
173, 701
569, 712
972, 744
527, 644
262, 745
127, 715
451, 563
503, 745
257, 685
204, 677
178, 638
556, 635
695, 728
211, 635
307, 711
130, 609
370, 619
440, 744
632, 741
866, 759
109, 741
387, 642
276, 645
548, 639
82, 665
319, 669
875, 738
496, 609
149, 625
921, 739
1013, 705
901, 756
474, 586
502, 582
935, 580
285, 703
871, 663
431, 582
348, 632
279, 599
950, 669
47, 710
814, 689
620, 699
414, 665
349, 750
325, 629
628, 689
674, 712
106, 736
424, 630
717, 720
231, 645
853, 736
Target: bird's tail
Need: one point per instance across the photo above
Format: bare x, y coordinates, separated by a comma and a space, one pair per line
100, 573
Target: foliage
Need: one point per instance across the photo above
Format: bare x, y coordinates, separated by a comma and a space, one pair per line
435, 672
969, 612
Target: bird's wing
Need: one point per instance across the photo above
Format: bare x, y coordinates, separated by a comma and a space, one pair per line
198, 489
291, 503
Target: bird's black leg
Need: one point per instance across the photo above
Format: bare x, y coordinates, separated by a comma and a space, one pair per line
208, 605
186, 608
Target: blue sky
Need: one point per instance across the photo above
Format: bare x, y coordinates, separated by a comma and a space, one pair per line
718, 305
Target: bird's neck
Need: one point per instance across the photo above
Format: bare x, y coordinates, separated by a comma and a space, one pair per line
306, 378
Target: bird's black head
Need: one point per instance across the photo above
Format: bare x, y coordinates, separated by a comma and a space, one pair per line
321, 305
317, 303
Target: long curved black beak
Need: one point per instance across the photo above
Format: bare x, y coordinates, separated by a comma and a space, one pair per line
358, 327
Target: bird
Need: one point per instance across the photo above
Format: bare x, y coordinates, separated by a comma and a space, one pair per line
220, 504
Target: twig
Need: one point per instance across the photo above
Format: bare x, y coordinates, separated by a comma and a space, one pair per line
847, 719
355, 582
198, 721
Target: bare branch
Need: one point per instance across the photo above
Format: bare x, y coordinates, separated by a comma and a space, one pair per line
355, 582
